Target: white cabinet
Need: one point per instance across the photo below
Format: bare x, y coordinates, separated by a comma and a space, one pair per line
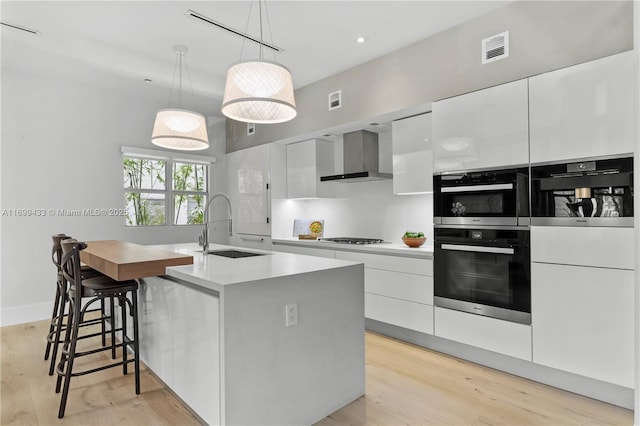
260, 242
180, 342
412, 155
583, 321
306, 162
398, 290
155, 317
483, 129
196, 356
248, 177
586, 110
309, 251
582, 300
508, 338
605, 247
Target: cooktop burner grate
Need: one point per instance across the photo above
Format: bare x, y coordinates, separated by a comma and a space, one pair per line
353, 240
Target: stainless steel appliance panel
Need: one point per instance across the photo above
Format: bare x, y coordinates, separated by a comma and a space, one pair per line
583, 193
484, 271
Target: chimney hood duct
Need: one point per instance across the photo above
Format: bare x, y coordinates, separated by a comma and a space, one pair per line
360, 151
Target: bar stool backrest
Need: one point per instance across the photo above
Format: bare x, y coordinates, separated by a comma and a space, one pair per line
70, 262
56, 249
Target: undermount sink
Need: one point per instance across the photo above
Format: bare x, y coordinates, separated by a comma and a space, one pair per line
234, 254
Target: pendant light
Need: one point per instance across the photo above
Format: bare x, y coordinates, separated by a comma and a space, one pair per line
259, 91
177, 128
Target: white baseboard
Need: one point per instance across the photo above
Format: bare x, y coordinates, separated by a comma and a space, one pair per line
25, 313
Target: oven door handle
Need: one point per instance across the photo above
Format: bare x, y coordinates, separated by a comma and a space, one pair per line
478, 249
475, 188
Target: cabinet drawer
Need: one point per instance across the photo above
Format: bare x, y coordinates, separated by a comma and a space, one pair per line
414, 316
411, 287
589, 246
508, 338
309, 251
390, 263
583, 321
252, 241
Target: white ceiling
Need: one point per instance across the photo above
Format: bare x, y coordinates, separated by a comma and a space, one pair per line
134, 40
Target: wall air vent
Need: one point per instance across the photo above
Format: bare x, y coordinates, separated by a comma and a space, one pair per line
206, 20
20, 28
251, 129
335, 100
495, 47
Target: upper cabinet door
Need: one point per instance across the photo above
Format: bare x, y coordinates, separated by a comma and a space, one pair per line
306, 162
484, 129
582, 111
412, 155
248, 175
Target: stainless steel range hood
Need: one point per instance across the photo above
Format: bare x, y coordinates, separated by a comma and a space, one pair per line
360, 150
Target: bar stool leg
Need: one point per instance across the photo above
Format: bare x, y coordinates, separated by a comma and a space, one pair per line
123, 305
72, 351
51, 326
102, 323
112, 315
58, 327
67, 339
136, 343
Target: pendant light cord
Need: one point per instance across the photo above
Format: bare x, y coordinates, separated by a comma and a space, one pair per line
178, 72
260, 14
180, 54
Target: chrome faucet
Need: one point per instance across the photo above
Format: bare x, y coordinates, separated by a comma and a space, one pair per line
204, 238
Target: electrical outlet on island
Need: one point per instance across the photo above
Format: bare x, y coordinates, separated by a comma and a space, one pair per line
291, 314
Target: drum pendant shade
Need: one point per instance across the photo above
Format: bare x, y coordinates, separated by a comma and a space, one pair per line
259, 92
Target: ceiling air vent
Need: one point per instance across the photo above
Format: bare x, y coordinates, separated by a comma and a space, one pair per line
335, 100
495, 47
251, 129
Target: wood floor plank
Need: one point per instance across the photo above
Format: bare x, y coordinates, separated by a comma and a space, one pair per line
406, 385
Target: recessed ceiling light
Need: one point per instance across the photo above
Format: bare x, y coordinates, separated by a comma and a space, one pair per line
361, 39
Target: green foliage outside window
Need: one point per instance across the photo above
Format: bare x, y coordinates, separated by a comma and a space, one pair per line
144, 208
189, 208
146, 190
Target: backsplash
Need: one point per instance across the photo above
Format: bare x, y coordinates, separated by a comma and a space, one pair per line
364, 209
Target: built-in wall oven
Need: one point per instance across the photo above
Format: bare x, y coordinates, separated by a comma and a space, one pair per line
487, 197
484, 271
481, 243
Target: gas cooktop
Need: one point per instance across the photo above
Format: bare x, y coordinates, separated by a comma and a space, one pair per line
353, 240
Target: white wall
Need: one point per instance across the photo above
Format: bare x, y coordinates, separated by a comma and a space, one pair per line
360, 209
61, 139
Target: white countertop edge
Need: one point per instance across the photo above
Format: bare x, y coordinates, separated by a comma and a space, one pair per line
424, 252
215, 272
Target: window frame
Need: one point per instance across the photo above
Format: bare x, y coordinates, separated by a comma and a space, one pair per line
169, 193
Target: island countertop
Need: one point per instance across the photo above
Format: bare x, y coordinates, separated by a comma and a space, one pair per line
215, 272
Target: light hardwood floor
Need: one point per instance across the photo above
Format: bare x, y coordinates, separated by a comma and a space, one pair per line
406, 385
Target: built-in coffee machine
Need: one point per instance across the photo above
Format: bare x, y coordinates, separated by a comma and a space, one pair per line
591, 192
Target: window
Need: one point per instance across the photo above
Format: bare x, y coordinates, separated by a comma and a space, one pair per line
164, 191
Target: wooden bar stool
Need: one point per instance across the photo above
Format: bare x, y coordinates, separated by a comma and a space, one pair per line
97, 289
56, 326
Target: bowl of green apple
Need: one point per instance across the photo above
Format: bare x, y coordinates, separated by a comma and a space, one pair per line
414, 239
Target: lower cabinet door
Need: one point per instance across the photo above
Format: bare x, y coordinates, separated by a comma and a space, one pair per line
504, 337
155, 316
411, 315
583, 321
196, 358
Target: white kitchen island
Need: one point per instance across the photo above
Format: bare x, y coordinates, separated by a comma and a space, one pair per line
216, 333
